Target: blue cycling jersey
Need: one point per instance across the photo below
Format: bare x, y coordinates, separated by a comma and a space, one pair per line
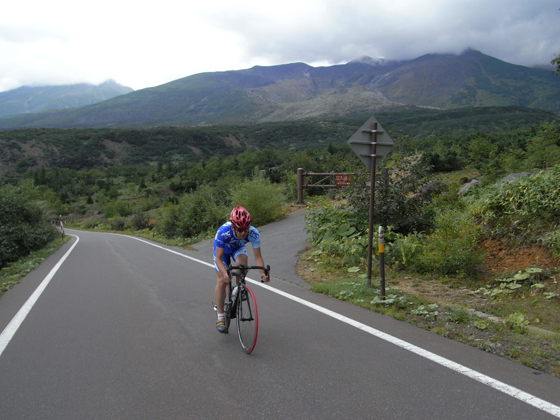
225, 238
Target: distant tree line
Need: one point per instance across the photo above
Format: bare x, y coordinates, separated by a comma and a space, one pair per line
180, 198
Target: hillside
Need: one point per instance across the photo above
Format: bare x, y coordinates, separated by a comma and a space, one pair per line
34, 99
21, 150
298, 91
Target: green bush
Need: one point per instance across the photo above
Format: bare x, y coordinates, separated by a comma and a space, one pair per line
23, 228
551, 240
403, 250
336, 231
263, 199
199, 212
117, 224
542, 150
118, 208
140, 221
324, 224
451, 249
398, 199
525, 208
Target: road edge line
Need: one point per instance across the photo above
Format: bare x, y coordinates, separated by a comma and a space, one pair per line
466, 371
8, 333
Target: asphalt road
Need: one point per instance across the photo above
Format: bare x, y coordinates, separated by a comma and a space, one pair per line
124, 329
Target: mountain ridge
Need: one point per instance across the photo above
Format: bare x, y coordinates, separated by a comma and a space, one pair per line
34, 99
296, 91
25, 149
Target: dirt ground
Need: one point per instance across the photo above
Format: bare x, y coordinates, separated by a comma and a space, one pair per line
500, 260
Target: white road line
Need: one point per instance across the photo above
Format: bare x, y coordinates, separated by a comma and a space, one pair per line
473, 374
16, 321
525, 397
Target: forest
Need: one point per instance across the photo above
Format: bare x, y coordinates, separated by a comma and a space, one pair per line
452, 184
164, 189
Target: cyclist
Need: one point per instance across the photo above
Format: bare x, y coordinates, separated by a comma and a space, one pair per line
230, 242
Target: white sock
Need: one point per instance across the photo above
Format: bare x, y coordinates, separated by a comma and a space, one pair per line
221, 316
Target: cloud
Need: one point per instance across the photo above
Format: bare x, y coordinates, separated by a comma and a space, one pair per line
147, 44
525, 32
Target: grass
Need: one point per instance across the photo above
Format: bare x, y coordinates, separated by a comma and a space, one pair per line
443, 307
536, 298
440, 305
14, 272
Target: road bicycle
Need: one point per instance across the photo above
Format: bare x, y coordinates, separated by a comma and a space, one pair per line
240, 304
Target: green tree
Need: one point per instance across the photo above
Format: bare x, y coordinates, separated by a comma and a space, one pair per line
397, 200
197, 213
261, 198
556, 62
23, 228
118, 208
542, 150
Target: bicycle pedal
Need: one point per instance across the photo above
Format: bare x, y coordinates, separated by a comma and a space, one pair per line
214, 307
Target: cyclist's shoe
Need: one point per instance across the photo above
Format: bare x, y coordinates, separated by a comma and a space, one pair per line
221, 326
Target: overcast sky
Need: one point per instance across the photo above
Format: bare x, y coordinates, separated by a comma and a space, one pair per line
142, 44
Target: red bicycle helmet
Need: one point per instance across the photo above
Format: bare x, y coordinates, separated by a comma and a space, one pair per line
240, 218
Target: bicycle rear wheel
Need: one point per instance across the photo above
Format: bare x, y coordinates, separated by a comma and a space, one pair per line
247, 320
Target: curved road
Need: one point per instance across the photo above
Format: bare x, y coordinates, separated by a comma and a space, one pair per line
115, 327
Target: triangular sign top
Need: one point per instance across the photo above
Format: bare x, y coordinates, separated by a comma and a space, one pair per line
360, 142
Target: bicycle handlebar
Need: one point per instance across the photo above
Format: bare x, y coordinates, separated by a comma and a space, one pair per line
248, 267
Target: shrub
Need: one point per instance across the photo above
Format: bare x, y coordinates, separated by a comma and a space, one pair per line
324, 223
118, 208
452, 248
552, 241
398, 199
336, 231
197, 213
140, 221
542, 150
261, 198
525, 208
23, 228
403, 250
117, 224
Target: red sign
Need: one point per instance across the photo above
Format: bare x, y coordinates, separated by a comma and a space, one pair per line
342, 180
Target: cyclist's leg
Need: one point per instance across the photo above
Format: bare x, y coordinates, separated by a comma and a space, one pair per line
240, 257
220, 289
220, 294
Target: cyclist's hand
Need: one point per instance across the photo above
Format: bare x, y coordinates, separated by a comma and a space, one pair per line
265, 278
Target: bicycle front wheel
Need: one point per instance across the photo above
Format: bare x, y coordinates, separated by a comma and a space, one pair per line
227, 307
247, 320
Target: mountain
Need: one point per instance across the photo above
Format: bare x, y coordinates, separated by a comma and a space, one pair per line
25, 149
298, 91
33, 99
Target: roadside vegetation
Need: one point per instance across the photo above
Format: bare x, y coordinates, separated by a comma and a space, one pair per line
442, 200
23, 229
439, 273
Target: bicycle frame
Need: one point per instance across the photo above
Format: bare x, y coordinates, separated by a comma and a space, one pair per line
243, 305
